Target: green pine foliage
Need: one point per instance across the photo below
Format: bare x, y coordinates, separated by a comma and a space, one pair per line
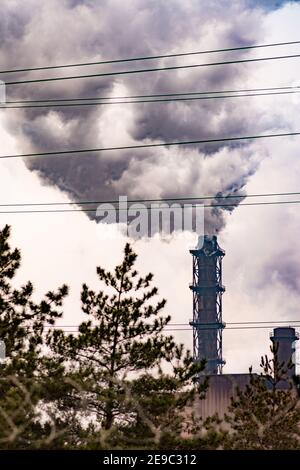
121, 382
116, 361
266, 415
22, 324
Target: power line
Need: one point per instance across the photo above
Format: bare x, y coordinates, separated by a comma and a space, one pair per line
161, 56
202, 329
158, 95
147, 208
167, 199
154, 69
166, 144
261, 322
229, 328
175, 326
160, 100
185, 324
272, 322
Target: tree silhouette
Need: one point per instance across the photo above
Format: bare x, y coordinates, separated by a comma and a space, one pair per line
117, 357
266, 415
23, 371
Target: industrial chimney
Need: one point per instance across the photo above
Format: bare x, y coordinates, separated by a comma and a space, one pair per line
285, 338
207, 291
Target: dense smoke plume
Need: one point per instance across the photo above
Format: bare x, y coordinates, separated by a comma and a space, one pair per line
34, 34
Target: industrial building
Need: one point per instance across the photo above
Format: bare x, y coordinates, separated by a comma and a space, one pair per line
208, 325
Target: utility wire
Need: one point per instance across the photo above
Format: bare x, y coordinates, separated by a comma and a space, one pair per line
230, 323
169, 199
186, 324
166, 144
161, 56
160, 100
202, 329
145, 208
229, 328
154, 69
159, 95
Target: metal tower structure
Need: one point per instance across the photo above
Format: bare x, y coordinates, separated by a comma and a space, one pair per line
207, 291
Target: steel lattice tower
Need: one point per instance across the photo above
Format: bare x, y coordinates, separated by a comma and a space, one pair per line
207, 291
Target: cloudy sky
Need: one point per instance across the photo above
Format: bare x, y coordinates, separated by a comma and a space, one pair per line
261, 268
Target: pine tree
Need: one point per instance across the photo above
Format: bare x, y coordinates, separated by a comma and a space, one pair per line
266, 415
24, 370
116, 359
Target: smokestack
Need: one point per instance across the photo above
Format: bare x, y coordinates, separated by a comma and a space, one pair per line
207, 291
285, 338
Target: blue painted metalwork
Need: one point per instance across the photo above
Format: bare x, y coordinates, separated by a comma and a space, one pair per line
207, 291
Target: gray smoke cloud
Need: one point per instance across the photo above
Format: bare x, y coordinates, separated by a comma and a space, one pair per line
66, 31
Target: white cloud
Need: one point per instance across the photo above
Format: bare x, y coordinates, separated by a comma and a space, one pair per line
261, 243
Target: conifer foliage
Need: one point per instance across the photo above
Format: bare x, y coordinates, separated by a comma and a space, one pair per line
121, 381
266, 415
24, 370
118, 354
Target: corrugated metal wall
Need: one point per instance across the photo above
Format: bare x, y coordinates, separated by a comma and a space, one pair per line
221, 389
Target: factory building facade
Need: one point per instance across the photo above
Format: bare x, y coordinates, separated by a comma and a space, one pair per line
207, 323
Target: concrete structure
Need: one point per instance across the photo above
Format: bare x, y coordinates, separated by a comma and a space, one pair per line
207, 291
224, 386
207, 326
284, 339
221, 388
